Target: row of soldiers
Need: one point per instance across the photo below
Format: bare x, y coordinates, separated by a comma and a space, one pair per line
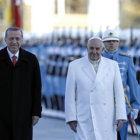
54, 55
54, 61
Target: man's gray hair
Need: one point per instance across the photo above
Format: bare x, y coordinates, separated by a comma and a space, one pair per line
13, 29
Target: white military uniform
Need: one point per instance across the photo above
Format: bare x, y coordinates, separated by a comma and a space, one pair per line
94, 100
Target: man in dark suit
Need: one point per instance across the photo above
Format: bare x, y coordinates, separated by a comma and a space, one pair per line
20, 89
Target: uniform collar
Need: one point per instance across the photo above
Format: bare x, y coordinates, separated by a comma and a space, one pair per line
111, 55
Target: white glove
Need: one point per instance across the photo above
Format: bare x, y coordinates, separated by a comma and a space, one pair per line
134, 114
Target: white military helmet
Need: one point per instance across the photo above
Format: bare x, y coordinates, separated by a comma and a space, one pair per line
110, 35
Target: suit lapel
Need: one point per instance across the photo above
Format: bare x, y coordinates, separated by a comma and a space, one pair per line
102, 70
88, 69
22, 57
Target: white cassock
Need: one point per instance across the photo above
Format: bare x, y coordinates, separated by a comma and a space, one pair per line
94, 100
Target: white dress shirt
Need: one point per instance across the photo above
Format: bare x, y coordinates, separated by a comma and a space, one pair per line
11, 55
95, 64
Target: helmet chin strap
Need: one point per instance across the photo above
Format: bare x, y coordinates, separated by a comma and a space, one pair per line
112, 51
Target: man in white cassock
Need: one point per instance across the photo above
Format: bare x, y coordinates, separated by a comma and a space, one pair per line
94, 97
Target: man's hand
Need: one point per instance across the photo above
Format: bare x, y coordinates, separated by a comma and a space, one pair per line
35, 120
119, 124
73, 125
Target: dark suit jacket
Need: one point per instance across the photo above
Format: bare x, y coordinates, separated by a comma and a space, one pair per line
20, 92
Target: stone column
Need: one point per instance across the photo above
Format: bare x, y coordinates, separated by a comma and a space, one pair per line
61, 7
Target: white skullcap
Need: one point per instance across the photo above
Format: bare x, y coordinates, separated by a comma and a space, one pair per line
95, 37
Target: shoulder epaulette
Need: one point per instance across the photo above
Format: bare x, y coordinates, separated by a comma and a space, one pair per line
125, 54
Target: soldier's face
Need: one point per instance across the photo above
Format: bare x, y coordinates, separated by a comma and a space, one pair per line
94, 49
13, 40
111, 45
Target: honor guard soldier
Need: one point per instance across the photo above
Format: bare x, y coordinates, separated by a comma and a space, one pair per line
123, 46
128, 74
